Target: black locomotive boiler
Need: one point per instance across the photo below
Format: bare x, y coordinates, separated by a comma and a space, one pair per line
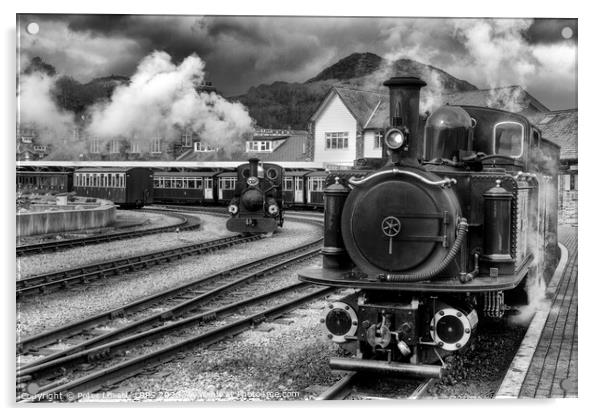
257, 206
450, 229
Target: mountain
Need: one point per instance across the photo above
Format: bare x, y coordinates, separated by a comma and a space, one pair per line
282, 104
76, 97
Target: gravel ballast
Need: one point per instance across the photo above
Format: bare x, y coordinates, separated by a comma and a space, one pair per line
212, 227
35, 314
281, 360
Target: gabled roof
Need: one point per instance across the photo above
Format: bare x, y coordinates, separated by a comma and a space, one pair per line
290, 150
560, 127
513, 98
363, 105
371, 109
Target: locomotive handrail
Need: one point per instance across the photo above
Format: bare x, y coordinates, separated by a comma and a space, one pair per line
526, 175
443, 182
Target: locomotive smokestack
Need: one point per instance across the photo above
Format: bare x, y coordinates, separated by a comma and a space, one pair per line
253, 167
404, 99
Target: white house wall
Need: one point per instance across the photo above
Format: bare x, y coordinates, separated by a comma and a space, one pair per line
369, 150
334, 118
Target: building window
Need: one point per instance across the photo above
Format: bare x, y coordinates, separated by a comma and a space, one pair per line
573, 182
156, 146
134, 147
259, 146
378, 140
337, 140
95, 146
202, 147
187, 138
114, 146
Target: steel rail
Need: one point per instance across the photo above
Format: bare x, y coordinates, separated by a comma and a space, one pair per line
176, 311
69, 330
64, 278
340, 389
187, 223
422, 389
91, 354
134, 366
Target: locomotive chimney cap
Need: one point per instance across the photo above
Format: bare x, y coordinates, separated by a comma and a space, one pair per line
404, 82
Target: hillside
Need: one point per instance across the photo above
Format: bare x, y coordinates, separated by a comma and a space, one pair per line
283, 104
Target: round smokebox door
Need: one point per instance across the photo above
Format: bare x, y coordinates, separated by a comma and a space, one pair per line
395, 225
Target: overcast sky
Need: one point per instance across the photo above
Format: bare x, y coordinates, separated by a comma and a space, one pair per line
240, 52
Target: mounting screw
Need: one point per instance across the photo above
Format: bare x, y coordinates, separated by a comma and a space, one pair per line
441, 313
322, 320
347, 307
330, 306
467, 330
330, 336
459, 314
458, 345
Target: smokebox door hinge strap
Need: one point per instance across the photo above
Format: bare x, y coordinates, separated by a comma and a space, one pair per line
445, 182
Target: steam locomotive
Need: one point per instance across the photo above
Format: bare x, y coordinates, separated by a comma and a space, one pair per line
451, 228
257, 206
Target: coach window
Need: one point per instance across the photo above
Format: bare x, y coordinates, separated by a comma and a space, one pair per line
288, 184
208, 183
508, 138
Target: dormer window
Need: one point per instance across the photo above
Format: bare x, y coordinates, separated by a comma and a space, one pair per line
259, 146
508, 139
203, 148
187, 138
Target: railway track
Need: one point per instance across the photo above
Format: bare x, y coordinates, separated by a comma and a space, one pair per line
350, 386
78, 275
187, 223
173, 319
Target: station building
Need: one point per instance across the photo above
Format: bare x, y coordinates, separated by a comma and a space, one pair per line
561, 128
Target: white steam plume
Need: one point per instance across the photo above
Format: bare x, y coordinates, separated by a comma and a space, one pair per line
161, 101
536, 241
37, 108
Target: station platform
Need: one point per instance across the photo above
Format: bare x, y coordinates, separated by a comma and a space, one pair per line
545, 365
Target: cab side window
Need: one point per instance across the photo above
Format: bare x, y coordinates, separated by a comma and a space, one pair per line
508, 138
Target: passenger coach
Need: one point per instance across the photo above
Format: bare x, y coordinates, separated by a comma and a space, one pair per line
55, 182
184, 187
130, 187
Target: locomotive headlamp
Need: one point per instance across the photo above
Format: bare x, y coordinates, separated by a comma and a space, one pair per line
233, 209
252, 181
340, 321
273, 209
395, 138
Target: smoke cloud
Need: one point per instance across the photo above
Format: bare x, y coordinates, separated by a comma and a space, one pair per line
489, 53
36, 106
161, 101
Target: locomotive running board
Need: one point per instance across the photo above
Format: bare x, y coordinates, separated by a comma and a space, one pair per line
384, 367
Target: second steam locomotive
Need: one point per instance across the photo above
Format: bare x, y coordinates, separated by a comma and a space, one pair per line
257, 207
447, 232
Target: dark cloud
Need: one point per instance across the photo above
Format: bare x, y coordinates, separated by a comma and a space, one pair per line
240, 52
550, 30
